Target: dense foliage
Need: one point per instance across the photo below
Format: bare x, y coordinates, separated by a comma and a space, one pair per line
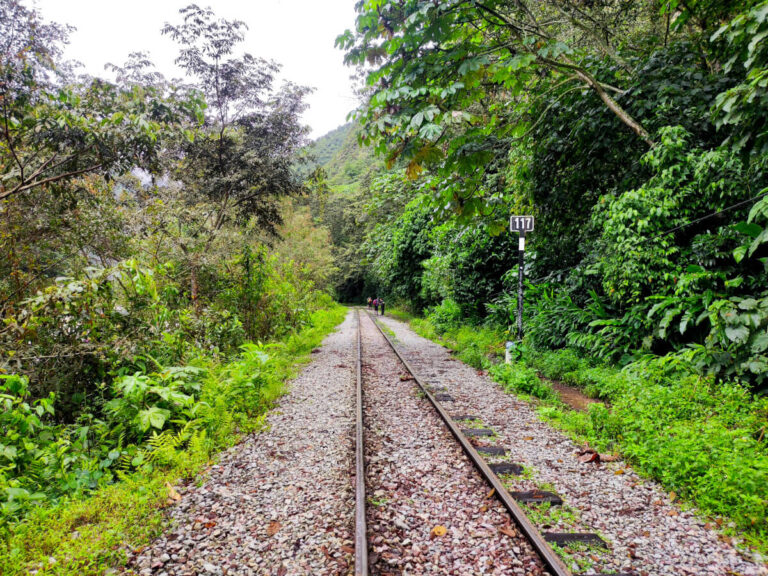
637, 145
635, 133
151, 248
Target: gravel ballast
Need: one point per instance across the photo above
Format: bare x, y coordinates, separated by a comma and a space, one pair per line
281, 502
647, 533
420, 483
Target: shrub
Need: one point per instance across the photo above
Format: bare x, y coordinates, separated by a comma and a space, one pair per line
519, 378
556, 364
446, 316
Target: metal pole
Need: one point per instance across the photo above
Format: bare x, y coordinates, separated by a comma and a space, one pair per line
520, 258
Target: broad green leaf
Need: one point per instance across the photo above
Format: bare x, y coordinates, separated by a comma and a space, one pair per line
760, 343
737, 333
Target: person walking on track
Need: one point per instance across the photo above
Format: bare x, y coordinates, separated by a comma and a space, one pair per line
381, 306
369, 302
376, 305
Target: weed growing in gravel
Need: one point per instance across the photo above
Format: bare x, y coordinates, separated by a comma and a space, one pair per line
509, 480
546, 486
387, 330
546, 514
577, 556
472, 423
528, 473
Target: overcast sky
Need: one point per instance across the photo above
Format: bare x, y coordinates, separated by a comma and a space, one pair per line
298, 34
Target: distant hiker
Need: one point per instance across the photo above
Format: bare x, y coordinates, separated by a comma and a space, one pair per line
376, 305
369, 302
381, 305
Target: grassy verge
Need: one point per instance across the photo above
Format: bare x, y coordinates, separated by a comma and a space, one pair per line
705, 442
89, 535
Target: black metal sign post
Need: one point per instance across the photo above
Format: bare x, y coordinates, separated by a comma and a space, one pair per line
521, 225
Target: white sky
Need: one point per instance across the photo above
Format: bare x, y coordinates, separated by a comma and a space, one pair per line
298, 34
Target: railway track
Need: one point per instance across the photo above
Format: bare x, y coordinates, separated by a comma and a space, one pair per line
537, 541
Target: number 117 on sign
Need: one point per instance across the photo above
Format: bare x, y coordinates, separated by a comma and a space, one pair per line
521, 223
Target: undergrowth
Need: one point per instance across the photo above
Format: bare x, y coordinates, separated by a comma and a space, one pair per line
89, 533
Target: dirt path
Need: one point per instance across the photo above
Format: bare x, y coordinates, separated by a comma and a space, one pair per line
572, 396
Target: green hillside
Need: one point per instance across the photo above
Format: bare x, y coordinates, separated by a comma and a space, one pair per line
347, 164
325, 148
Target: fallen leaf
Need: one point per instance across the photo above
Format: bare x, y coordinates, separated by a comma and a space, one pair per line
172, 494
509, 532
348, 549
210, 524
273, 528
491, 493
438, 531
589, 457
619, 471
673, 496
282, 571
528, 438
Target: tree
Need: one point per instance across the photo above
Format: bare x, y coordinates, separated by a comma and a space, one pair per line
53, 130
61, 137
238, 162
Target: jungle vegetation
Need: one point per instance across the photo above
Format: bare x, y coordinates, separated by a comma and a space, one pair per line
635, 133
168, 250
158, 277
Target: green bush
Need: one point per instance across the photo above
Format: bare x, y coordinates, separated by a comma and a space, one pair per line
555, 364
519, 378
446, 316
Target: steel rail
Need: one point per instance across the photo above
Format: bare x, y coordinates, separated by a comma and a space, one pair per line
361, 530
551, 560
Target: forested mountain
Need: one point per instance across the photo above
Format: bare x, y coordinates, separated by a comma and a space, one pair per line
347, 165
325, 148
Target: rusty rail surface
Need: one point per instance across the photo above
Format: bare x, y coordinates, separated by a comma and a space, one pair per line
361, 530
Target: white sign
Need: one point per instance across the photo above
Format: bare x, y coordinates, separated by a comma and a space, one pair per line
521, 224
